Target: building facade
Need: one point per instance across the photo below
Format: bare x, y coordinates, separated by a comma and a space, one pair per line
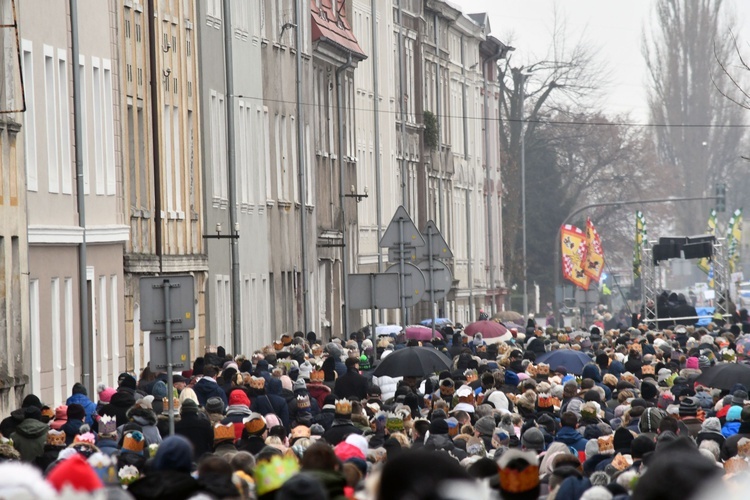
55, 235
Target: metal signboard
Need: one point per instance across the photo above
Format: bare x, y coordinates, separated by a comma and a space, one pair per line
442, 279
374, 290
181, 302
435, 245
414, 282
393, 233
180, 351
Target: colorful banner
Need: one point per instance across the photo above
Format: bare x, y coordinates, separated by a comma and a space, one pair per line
704, 264
574, 249
640, 237
594, 263
734, 239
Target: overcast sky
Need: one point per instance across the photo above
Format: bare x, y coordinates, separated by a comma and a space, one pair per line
613, 25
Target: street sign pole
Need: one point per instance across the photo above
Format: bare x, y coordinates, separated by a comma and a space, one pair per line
401, 271
166, 286
372, 320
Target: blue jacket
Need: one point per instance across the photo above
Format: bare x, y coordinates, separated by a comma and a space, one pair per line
572, 438
730, 429
88, 406
206, 389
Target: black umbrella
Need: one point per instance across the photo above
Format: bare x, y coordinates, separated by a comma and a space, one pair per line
573, 361
725, 375
413, 362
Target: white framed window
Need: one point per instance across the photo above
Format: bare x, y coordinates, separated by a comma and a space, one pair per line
178, 167
309, 168
213, 17
218, 147
84, 124
63, 102
293, 166
108, 126
50, 98
54, 293
279, 165
103, 330
168, 167
36, 337
70, 357
98, 113
267, 152
29, 117
284, 169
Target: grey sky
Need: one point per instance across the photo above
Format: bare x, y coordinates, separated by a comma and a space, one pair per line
615, 26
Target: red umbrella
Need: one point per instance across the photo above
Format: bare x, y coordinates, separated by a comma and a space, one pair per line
419, 332
488, 329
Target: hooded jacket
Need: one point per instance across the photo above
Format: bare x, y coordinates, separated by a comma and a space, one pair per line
88, 406
206, 388
147, 420
272, 402
29, 439
572, 438
118, 406
443, 442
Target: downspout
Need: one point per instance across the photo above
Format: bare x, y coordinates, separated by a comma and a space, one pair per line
439, 110
83, 295
404, 199
155, 79
376, 111
231, 185
342, 199
302, 172
470, 261
488, 177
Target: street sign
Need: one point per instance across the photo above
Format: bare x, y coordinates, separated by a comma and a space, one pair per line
393, 236
442, 279
435, 241
180, 351
414, 282
410, 254
181, 302
385, 287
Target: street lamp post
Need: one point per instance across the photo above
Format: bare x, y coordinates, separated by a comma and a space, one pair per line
524, 75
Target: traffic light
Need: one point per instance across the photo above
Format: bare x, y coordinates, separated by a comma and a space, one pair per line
721, 197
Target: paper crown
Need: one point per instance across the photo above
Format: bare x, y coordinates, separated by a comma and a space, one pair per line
257, 382
48, 413
563, 337
278, 345
636, 347
317, 376
606, 443
105, 467
56, 438
513, 480
542, 369
271, 474
286, 339
621, 462
648, 370
165, 405
255, 424
134, 442
531, 370
301, 431
471, 375
303, 403
128, 474
223, 432
86, 437
743, 448
107, 425
545, 401
394, 423
343, 407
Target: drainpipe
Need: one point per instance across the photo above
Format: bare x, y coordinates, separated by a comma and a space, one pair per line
342, 199
302, 173
376, 112
488, 177
155, 80
469, 256
234, 255
404, 198
83, 295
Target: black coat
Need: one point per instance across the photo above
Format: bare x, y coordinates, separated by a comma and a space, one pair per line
118, 406
198, 430
206, 389
271, 403
339, 431
164, 485
352, 384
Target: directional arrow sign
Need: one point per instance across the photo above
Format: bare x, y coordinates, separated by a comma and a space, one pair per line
435, 241
393, 235
414, 282
442, 279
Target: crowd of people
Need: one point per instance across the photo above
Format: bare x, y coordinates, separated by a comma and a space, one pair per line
310, 419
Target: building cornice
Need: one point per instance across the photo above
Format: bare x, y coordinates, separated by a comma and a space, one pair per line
73, 235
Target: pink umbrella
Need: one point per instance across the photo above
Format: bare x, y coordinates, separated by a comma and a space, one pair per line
419, 332
488, 329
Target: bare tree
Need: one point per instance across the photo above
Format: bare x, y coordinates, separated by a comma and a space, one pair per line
696, 129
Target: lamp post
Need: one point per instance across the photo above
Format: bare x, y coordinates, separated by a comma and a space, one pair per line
524, 75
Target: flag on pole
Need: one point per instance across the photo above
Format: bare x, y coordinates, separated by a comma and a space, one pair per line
574, 248
594, 263
734, 238
704, 264
640, 237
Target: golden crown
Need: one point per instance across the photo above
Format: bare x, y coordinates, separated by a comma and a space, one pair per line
255, 424
223, 432
271, 474
257, 382
343, 407
317, 376
56, 438
519, 481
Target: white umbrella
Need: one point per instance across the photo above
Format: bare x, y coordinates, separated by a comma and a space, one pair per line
387, 330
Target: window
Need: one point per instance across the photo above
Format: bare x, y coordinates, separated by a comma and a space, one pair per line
53, 174
108, 126
36, 334
267, 151
70, 357
177, 168
98, 113
29, 125
279, 166
55, 319
218, 146
84, 124
213, 14
103, 329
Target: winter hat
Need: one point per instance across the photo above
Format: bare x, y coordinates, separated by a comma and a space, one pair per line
734, 414
739, 397
703, 362
76, 412
485, 426
344, 451
305, 370
302, 485
663, 374
175, 453
692, 363
688, 407
623, 440
214, 405
133, 442
127, 381
238, 397
189, 406
649, 391
21, 481
711, 424
592, 448
640, 446
439, 426
665, 400
533, 439
106, 393
76, 473
159, 390
298, 385
32, 400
